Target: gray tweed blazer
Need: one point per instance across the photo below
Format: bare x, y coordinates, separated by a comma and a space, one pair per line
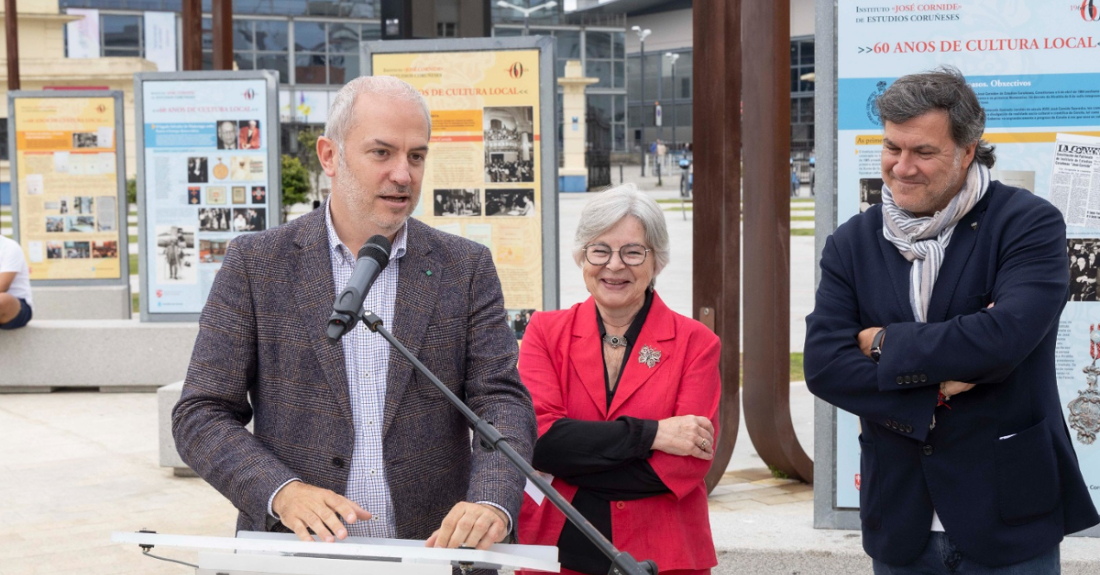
262, 354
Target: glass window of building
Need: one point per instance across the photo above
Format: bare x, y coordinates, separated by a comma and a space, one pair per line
602, 59
323, 8
602, 56
802, 105
121, 35
257, 45
328, 52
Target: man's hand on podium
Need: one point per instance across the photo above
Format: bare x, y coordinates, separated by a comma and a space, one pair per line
302, 507
473, 525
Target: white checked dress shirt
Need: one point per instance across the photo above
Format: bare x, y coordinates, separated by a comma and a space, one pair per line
367, 362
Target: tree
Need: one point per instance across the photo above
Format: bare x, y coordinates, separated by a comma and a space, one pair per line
131, 192
295, 183
307, 155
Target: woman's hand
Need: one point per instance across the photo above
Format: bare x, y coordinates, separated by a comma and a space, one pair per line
685, 435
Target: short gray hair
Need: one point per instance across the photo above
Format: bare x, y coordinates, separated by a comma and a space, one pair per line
609, 207
339, 113
944, 88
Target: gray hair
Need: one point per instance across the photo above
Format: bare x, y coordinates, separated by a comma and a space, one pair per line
339, 113
944, 88
612, 205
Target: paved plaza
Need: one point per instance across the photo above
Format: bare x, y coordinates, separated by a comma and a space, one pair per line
77, 465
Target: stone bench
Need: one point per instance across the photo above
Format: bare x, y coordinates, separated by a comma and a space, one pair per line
111, 355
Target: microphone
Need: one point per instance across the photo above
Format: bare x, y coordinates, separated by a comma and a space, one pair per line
372, 259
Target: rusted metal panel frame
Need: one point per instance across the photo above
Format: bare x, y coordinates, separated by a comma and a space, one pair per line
222, 27
766, 27
716, 289
11, 30
192, 34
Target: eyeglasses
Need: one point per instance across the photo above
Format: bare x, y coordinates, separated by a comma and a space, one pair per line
630, 254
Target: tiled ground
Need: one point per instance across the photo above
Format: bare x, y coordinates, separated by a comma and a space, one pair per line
75, 466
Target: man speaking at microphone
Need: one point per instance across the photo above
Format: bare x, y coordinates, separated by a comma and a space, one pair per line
349, 439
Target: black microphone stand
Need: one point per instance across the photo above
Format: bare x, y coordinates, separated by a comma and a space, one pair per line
621, 562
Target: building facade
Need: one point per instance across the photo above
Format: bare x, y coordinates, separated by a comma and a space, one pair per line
668, 73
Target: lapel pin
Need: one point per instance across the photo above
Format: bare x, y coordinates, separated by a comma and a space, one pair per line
974, 226
428, 273
649, 356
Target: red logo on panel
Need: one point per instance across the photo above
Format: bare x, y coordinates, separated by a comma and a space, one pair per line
1089, 11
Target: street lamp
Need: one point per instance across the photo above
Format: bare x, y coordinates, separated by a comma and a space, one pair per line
526, 11
642, 34
673, 58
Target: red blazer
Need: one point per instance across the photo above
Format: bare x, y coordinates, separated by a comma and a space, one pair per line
560, 361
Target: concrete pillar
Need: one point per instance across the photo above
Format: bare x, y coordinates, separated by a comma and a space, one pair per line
573, 176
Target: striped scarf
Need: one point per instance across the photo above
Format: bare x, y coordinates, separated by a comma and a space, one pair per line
923, 241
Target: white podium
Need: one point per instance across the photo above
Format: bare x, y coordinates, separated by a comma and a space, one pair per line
255, 553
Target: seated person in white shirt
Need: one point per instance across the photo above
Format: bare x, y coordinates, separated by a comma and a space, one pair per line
15, 286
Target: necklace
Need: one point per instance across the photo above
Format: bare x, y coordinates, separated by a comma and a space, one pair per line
615, 340
618, 326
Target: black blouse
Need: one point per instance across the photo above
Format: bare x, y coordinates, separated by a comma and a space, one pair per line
606, 460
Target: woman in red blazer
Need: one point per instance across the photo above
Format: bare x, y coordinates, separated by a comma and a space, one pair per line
626, 392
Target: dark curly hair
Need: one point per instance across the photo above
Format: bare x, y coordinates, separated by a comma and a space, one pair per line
944, 88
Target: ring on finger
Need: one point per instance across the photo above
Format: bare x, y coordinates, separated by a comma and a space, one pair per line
704, 444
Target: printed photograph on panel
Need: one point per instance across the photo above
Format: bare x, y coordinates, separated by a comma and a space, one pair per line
85, 140
176, 254
82, 224
238, 168
870, 193
84, 205
194, 195
1083, 268
227, 135
249, 219
256, 168
212, 251
457, 203
196, 170
240, 195
509, 144
214, 219
55, 250
78, 250
107, 249
510, 202
220, 171
215, 195
518, 320
106, 213
249, 136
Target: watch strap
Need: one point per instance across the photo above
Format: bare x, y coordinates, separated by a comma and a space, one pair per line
876, 344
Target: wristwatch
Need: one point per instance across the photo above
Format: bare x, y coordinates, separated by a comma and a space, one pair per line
876, 344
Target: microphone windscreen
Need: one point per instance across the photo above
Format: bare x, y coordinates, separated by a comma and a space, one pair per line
378, 249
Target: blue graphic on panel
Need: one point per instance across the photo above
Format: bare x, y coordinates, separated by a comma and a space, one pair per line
1010, 101
181, 135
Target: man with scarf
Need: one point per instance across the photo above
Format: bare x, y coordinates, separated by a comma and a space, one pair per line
935, 322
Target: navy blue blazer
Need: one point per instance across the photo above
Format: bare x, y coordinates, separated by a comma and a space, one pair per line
998, 467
